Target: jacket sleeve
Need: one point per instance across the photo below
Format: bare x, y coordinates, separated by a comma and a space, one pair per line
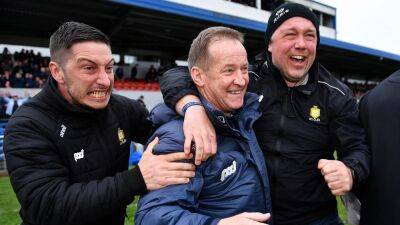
175, 84
42, 182
349, 136
174, 204
141, 126
363, 114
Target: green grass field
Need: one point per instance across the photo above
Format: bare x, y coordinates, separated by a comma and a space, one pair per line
9, 206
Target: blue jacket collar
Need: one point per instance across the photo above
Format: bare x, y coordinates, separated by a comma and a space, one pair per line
243, 117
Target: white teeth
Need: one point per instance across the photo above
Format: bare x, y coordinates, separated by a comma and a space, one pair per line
299, 57
235, 92
98, 94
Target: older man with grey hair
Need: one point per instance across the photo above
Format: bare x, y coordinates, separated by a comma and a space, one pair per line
231, 187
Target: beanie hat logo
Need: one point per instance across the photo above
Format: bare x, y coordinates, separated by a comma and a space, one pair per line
280, 13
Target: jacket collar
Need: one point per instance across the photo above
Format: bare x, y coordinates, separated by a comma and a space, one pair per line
52, 96
243, 117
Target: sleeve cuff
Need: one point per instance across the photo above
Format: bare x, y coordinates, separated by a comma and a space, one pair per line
135, 181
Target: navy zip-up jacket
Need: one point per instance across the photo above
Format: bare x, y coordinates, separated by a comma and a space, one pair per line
231, 182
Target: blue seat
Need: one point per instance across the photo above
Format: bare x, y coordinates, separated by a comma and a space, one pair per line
135, 155
1, 153
134, 158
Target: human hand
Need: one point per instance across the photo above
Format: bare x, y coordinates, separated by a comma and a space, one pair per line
246, 218
159, 171
198, 128
337, 175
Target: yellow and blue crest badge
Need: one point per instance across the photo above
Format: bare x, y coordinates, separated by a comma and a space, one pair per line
121, 136
315, 113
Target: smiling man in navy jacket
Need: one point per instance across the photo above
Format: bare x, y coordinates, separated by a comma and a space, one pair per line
231, 187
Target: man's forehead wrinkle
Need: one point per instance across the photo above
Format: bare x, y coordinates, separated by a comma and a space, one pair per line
81, 59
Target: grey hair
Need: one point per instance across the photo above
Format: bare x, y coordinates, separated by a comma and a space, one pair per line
198, 53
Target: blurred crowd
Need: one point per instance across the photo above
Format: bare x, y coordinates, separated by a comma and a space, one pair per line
152, 75
360, 88
23, 69
27, 69
9, 103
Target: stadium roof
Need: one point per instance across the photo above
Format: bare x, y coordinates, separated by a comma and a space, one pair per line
165, 29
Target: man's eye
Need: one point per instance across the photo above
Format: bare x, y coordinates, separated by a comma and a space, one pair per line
109, 68
228, 70
310, 36
88, 68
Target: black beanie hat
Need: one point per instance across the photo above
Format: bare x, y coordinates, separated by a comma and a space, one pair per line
285, 12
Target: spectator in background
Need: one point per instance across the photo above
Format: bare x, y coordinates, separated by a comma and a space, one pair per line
3, 105
134, 72
151, 74
6, 77
41, 73
6, 54
5, 57
26, 67
16, 68
19, 81
7, 65
29, 82
13, 102
119, 72
39, 83
141, 100
7, 84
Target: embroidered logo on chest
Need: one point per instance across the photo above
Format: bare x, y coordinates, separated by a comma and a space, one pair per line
228, 171
315, 113
121, 136
79, 155
63, 129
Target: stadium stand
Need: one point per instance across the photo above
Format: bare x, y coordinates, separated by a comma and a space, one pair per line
26, 69
23, 69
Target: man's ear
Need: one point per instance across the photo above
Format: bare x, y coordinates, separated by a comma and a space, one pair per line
56, 72
197, 75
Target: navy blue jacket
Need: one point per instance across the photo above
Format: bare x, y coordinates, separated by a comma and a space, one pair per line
231, 182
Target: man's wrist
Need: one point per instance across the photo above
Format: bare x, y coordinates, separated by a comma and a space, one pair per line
190, 104
183, 101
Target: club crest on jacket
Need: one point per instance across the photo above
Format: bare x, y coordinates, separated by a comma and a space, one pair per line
315, 113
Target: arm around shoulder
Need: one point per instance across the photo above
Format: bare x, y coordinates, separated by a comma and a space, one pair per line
175, 84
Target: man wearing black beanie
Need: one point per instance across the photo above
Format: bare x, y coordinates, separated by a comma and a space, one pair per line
307, 114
